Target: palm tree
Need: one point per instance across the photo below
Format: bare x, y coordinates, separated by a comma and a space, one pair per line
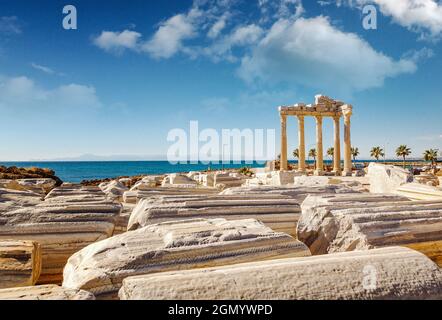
403, 151
354, 152
377, 152
312, 153
331, 152
296, 153
431, 155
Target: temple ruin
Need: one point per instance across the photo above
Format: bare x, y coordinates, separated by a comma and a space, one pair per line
323, 107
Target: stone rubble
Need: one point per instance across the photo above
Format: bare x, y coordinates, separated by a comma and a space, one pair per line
275, 212
44, 292
101, 267
69, 219
20, 263
338, 223
222, 235
401, 273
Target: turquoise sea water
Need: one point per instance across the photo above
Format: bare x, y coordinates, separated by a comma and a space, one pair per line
88, 170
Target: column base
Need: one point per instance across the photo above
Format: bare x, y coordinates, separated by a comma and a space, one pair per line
318, 173
303, 172
347, 174
337, 173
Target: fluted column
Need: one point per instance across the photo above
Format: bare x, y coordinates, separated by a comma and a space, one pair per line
337, 146
347, 143
283, 160
319, 147
301, 160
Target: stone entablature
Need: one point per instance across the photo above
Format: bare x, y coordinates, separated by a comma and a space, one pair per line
323, 107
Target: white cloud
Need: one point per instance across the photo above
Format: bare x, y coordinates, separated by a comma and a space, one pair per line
117, 41
42, 68
277, 45
23, 92
423, 16
312, 52
217, 27
10, 25
169, 37
412, 14
279, 9
324, 3
242, 36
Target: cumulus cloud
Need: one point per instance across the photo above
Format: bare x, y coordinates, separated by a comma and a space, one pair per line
241, 36
10, 25
23, 92
168, 39
276, 45
422, 16
117, 41
217, 27
313, 52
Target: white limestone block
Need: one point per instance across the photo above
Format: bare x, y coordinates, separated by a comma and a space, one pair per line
101, 267
387, 178
20, 263
279, 213
387, 273
45, 292
360, 222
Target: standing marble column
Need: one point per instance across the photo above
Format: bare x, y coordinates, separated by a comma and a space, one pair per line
319, 147
347, 111
301, 136
337, 146
283, 160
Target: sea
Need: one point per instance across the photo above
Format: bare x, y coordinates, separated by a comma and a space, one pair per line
77, 171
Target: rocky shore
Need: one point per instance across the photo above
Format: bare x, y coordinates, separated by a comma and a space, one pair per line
235, 234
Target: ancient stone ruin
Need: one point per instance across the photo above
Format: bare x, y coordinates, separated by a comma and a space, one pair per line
323, 107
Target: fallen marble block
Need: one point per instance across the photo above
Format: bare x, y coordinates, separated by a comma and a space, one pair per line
61, 229
360, 222
45, 292
20, 263
178, 179
417, 191
101, 267
37, 185
387, 273
387, 178
147, 182
227, 180
113, 189
293, 192
279, 213
145, 193
15, 199
75, 190
428, 179
122, 220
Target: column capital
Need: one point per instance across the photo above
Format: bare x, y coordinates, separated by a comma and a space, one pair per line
337, 117
319, 118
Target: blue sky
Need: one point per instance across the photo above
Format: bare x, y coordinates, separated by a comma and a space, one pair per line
134, 70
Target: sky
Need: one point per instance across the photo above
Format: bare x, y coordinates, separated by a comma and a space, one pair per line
133, 71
